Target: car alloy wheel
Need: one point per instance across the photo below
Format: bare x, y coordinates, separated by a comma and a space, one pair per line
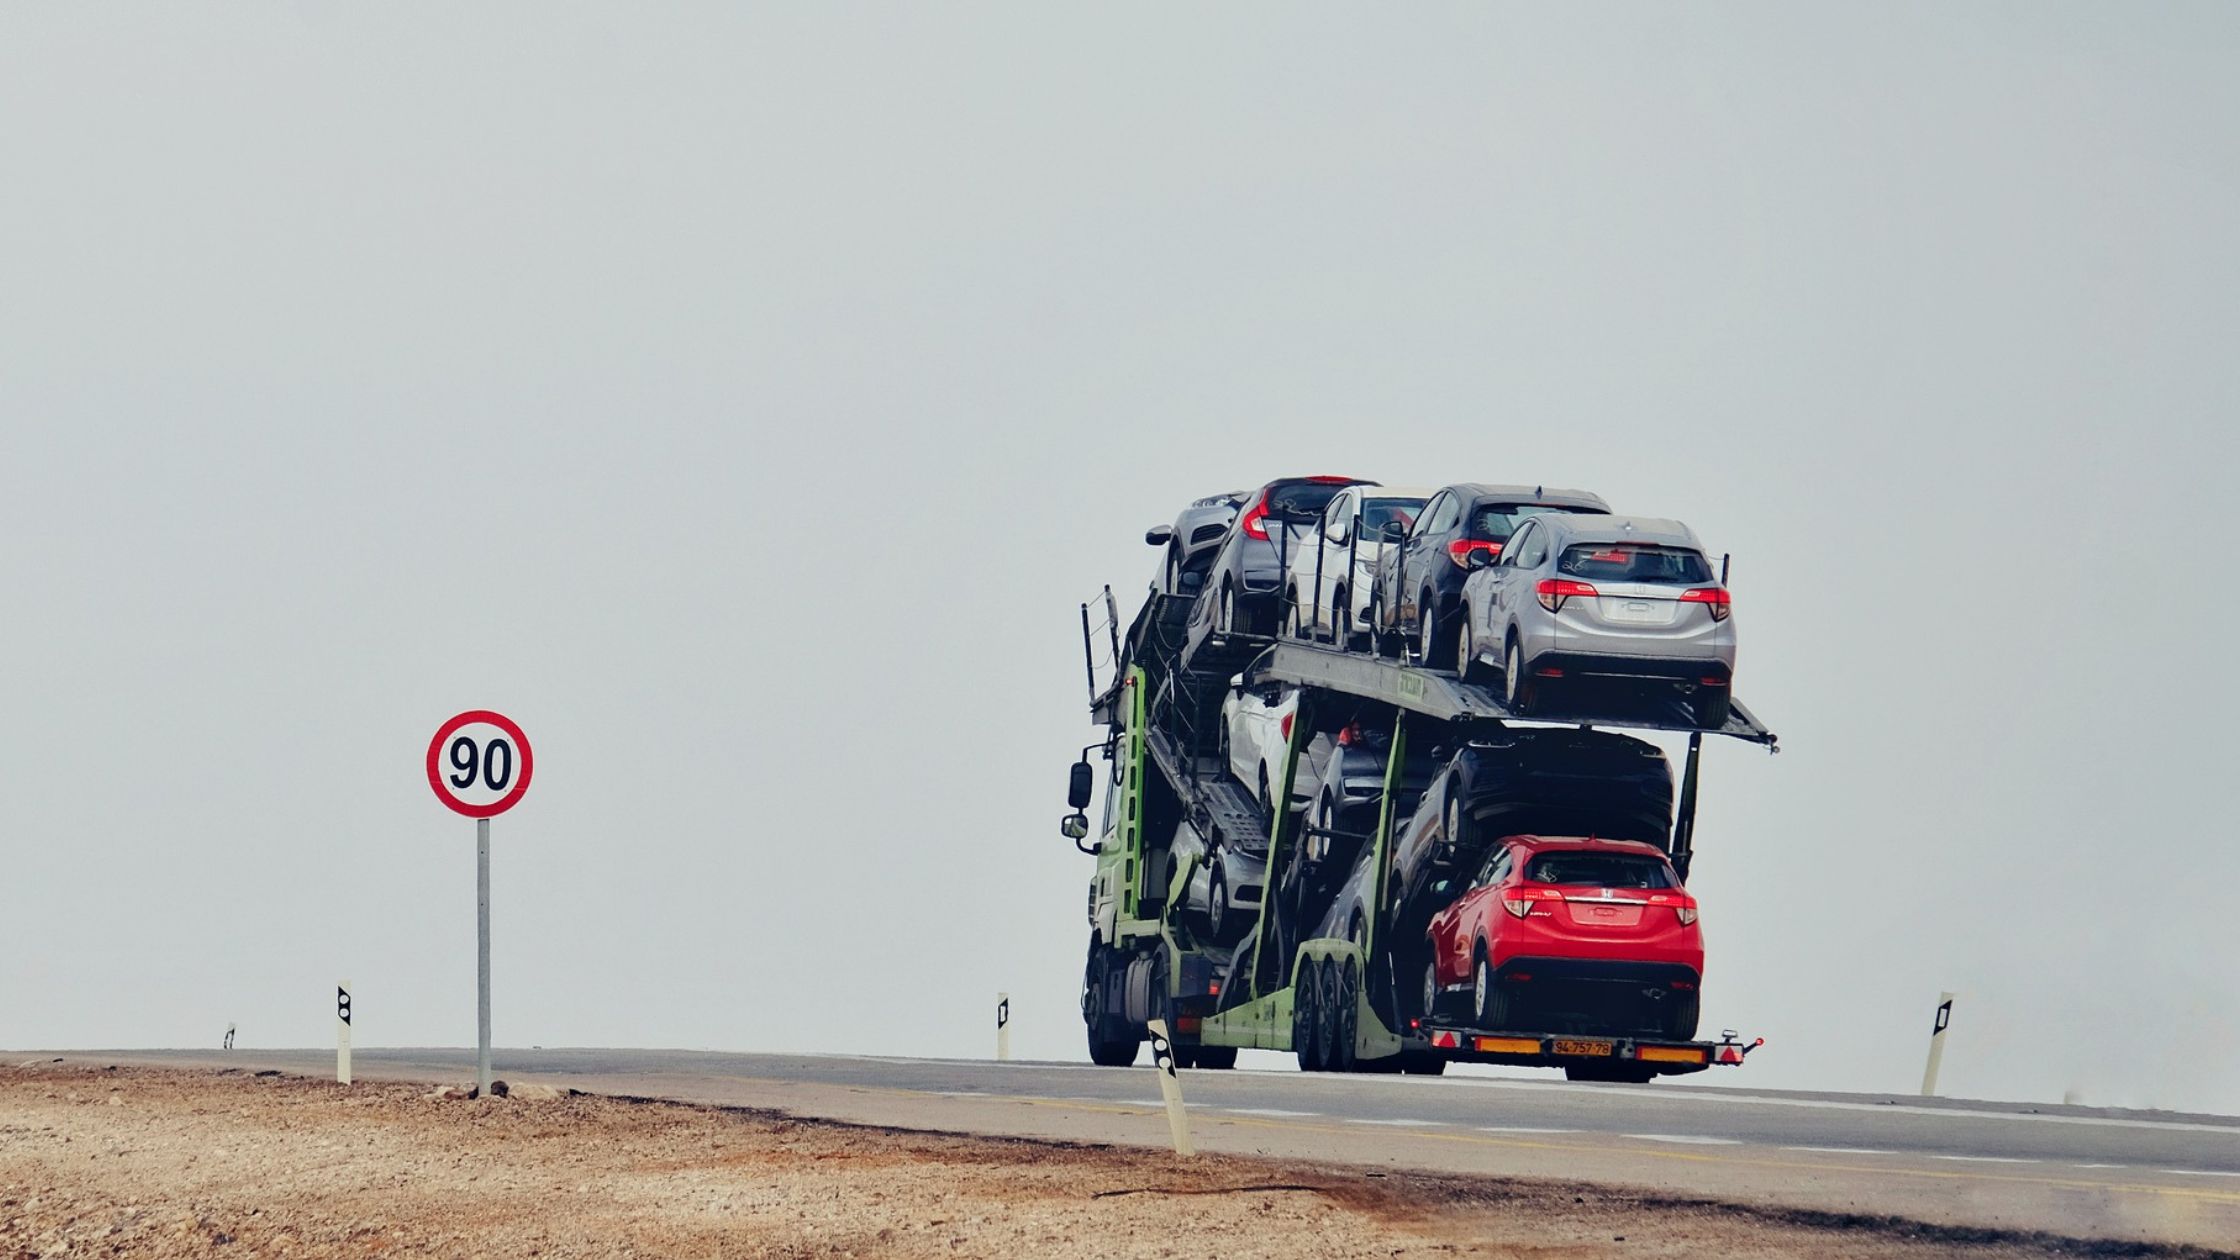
1465, 649
1217, 905
1431, 989
1425, 630
1516, 689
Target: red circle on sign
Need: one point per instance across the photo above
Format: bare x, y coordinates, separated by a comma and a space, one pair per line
520, 784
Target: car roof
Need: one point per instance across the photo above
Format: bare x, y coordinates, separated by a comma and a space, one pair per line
1549, 844
1477, 490
1326, 480
1622, 529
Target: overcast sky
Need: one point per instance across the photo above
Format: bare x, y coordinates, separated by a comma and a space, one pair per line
745, 400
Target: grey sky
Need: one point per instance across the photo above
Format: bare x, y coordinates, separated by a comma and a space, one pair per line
744, 400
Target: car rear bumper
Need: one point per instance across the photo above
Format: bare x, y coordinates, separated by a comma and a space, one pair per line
1693, 668
1628, 974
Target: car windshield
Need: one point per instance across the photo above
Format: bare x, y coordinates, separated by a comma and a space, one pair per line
1494, 522
1378, 513
1634, 562
1600, 870
1302, 499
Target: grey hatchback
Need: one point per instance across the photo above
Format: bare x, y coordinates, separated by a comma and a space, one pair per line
1622, 597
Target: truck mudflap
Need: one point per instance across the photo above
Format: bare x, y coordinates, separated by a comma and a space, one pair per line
1567, 1050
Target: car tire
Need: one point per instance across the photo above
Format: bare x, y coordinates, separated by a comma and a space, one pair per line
1458, 825
1466, 664
1427, 633
1712, 707
1225, 612
1432, 1003
1490, 1005
1682, 1012
1520, 693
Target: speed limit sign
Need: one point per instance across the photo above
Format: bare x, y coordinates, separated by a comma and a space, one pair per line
479, 763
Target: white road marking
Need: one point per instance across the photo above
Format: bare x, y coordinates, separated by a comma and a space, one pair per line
1984, 1159
962, 1093
2103, 1165
1518, 1128
1278, 1112
1839, 1150
1401, 1123
1685, 1138
2197, 1172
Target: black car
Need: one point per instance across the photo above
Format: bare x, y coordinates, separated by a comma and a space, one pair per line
1246, 579
1418, 591
1529, 781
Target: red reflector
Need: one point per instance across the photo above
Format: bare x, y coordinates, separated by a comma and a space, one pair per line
1214, 988
1446, 1041
1521, 976
1188, 1024
1548, 671
1730, 1054
1709, 681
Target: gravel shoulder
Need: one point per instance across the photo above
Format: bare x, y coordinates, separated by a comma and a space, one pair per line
129, 1161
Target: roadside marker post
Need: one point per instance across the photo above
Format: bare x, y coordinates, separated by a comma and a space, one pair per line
229, 1038
479, 765
1162, 1057
1936, 1045
1003, 1027
342, 1033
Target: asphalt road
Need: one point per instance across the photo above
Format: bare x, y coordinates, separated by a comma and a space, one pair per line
2070, 1171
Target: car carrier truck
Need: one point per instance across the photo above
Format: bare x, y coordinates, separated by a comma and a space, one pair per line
1337, 990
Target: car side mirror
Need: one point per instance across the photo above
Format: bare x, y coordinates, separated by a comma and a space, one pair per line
1159, 535
1080, 785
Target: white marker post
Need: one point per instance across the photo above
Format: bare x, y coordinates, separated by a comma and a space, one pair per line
1003, 1027
1162, 1057
229, 1037
1936, 1045
342, 1033
479, 765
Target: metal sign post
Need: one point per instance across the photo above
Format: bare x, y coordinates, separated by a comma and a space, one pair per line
1003, 1027
1162, 1056
1936, 1045
479, 765
342, 1033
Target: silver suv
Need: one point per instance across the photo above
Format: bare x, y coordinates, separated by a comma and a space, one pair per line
1597, 597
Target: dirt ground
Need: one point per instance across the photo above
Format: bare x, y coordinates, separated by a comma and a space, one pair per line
137, 1162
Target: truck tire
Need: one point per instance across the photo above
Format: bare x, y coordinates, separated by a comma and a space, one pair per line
1345, 1018
1326, 1015
1306, 1001
1111, 1043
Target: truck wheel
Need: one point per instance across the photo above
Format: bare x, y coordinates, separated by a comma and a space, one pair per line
1326, 1015
1306, 1001
1712, 705
1108, 1045
1217, 1058
1346, 1022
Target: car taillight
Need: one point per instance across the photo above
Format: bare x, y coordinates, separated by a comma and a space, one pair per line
1254, 522
1687, 912
1553, 591
1716, 596
1459, 550
1518, 906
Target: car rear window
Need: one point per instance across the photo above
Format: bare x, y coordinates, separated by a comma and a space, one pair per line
1634, 562
1302, 498
1378, 513
1494, 522
1599, 870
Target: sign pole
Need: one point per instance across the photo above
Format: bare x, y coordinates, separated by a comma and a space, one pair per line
1003, 1027
1162, 1058
482, 954
1936, 1045
342, 1033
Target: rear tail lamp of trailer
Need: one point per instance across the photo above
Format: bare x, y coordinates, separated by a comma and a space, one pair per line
1721, 603
1554, 591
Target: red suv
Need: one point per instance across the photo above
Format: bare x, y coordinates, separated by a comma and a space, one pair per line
1562, 934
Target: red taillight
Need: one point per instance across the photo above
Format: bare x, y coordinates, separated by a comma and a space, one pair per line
1715, 596
1459, 550
1350, 736
1687, 911
1254, 521
1518, 906
1553, 591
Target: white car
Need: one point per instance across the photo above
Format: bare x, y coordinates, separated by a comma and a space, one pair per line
1256, 719
1331, 575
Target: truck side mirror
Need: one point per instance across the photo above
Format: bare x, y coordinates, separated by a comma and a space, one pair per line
1074, 826
1082, 784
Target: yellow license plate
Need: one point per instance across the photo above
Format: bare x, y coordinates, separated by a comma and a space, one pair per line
1586, 1049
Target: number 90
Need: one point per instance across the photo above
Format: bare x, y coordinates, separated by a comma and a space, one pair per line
494, 761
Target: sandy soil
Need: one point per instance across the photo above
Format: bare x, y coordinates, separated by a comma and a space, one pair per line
139, 1162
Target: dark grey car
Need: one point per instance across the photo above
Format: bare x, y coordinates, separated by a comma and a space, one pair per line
1191, 541
1419, 583
1247, 575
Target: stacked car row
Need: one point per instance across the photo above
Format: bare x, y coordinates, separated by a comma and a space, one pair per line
1537, 588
